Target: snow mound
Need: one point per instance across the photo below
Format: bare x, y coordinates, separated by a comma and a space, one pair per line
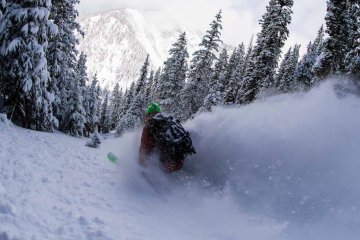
4, 122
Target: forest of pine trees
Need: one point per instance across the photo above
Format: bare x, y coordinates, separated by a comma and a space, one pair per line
46, 86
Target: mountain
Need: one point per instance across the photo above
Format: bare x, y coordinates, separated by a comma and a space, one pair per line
117, 41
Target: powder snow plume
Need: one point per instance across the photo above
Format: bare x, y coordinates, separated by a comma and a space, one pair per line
282, 168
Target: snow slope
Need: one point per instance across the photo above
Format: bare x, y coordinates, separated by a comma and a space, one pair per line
285, 168
53, 187
117, 41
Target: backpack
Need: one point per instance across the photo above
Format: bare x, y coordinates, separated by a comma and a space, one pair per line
171, 138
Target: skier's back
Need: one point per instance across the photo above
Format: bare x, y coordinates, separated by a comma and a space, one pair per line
156, 140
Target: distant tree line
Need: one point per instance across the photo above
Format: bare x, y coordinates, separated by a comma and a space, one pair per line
216, 79
46, 86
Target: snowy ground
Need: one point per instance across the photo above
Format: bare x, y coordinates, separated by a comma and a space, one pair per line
287, 169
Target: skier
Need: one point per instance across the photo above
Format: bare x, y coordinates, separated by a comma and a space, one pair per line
164, 137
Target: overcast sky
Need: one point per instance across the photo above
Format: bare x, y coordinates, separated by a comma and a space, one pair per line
240, 17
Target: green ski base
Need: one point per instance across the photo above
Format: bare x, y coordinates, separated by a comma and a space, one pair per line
112, 157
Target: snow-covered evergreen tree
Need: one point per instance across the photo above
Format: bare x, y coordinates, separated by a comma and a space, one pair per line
95, 139
24, 31
116, 104
249, 52
242, 70
62, 54
173, 77
76, 115
2, 80
282, 69
99, 101
141, 82
154, 95
149, 86
128, 99
332, 60
216, 90
2, 7
233, 62
201, 70
105, 119
92, 117
260, 73
233, 84
352, 60
134, 116
285, 79
304, 74
135, 102
81, 75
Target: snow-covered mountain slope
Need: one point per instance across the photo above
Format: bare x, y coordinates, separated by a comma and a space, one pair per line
117, 41
286, 168
53, 187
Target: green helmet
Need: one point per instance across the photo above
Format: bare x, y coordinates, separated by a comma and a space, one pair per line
153, 108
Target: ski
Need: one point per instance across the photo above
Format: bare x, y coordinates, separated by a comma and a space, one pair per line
150, 182
112, 157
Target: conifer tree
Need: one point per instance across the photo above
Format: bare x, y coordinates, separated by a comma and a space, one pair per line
216, 90
128, 99
304, 73
104, 121
95, 139
141, 83
81, 75
149, 86
236, 77
352, 60
285, 79
133, 116
264, 60
332, 60
201, 70
76, 115
92, 117
173, 77
24, 31
242, 70
154, 95
2, 80
2, 7
62, 53
283, 68
233, 62
99, 101
116, 104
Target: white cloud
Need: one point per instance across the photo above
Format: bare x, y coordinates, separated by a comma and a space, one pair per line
240, 16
